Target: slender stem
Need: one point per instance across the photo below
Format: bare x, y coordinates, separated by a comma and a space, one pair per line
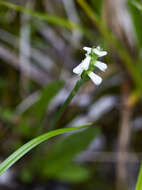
66, 103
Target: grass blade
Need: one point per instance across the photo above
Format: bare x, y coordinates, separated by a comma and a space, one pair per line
31, 144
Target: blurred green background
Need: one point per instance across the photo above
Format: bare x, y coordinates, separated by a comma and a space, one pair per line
41, 42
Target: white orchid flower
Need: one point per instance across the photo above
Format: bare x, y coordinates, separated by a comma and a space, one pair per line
95, 78
96, 50
102, 66
84, 65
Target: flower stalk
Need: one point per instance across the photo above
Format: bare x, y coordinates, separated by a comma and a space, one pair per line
85, 71
66, 103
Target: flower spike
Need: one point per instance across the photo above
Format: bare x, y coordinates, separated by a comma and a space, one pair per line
88, 64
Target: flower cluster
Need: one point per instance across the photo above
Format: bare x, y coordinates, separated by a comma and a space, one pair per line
87, 66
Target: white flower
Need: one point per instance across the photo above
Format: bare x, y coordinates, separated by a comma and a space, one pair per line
95, 78
88, 49
102, 66
96, 50
84, 65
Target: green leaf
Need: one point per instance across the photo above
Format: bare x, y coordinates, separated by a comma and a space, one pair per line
64, 150
47, 94
26, 175
139, 181
31, 144
73, 173
24, 129
38, 110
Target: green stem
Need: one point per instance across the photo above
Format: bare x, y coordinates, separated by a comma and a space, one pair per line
66, 103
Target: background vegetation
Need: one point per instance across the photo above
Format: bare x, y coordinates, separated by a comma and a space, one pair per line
41, 42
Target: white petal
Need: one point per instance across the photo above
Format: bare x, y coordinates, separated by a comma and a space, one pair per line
102, 66
99, 52
84, 65
88, 49
78, 70
95, 78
